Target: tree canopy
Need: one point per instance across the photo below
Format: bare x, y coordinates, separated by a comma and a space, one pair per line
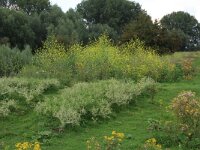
30, 22
185, 23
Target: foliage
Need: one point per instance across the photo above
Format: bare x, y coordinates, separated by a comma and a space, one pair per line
33, 6
187, 109
96, 30
187, 24
13, 60
5, 107
188, 69
113, 13
142, 27
71, 29
102, 60
51, 61
90, 100
28, 89
15, 27
184, 131
99, 60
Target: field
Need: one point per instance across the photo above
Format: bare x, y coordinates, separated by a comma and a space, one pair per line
137, 111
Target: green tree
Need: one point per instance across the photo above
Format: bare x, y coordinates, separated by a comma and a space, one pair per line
33, 6
15, 26
70, 29
96, 30
114, 13
141, 28
186, 23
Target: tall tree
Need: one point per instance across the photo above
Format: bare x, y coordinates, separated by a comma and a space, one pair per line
15, 25
114, 13
187, 24
70, 29
33, 6
141, 28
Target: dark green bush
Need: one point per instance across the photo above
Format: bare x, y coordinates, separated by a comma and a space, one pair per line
13, 60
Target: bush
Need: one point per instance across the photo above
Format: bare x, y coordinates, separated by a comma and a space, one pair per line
90, 100
12, 60
17, 92
187, 109
51, 61
28, 89
5, 107
185, 131
102, 60
99, 61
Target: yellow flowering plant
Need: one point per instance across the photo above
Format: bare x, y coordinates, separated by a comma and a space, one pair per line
28, 146
185, 131
151, 144
187, 109
112, 142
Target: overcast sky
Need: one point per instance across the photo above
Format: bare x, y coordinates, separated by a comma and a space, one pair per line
155, 8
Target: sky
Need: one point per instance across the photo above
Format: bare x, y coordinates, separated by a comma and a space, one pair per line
155, 8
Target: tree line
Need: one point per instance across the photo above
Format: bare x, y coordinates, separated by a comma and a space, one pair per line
30, 22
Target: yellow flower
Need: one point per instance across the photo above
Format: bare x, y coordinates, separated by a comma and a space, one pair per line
159, 146
120, 135
114, 132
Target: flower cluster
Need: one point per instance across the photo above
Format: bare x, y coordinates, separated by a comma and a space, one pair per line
111, 142
152, 144
115, 136
114, 141
28, 146
186, 107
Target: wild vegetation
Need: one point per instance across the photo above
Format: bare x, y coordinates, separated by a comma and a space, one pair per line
68, 80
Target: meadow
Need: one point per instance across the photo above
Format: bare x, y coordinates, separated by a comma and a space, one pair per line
99, 97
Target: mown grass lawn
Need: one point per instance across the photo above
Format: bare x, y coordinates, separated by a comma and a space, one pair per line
132, 121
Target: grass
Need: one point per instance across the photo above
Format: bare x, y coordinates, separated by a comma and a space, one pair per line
132, 120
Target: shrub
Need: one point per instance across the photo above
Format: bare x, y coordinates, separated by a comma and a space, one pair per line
185, 131
188, 69
49, 62
90, 100
5, 107
100, 60
17, 92
28, 89
12, 60
187, 109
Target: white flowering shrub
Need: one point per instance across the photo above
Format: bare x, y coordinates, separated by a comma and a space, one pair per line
5, 107
93, 100
25, 88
